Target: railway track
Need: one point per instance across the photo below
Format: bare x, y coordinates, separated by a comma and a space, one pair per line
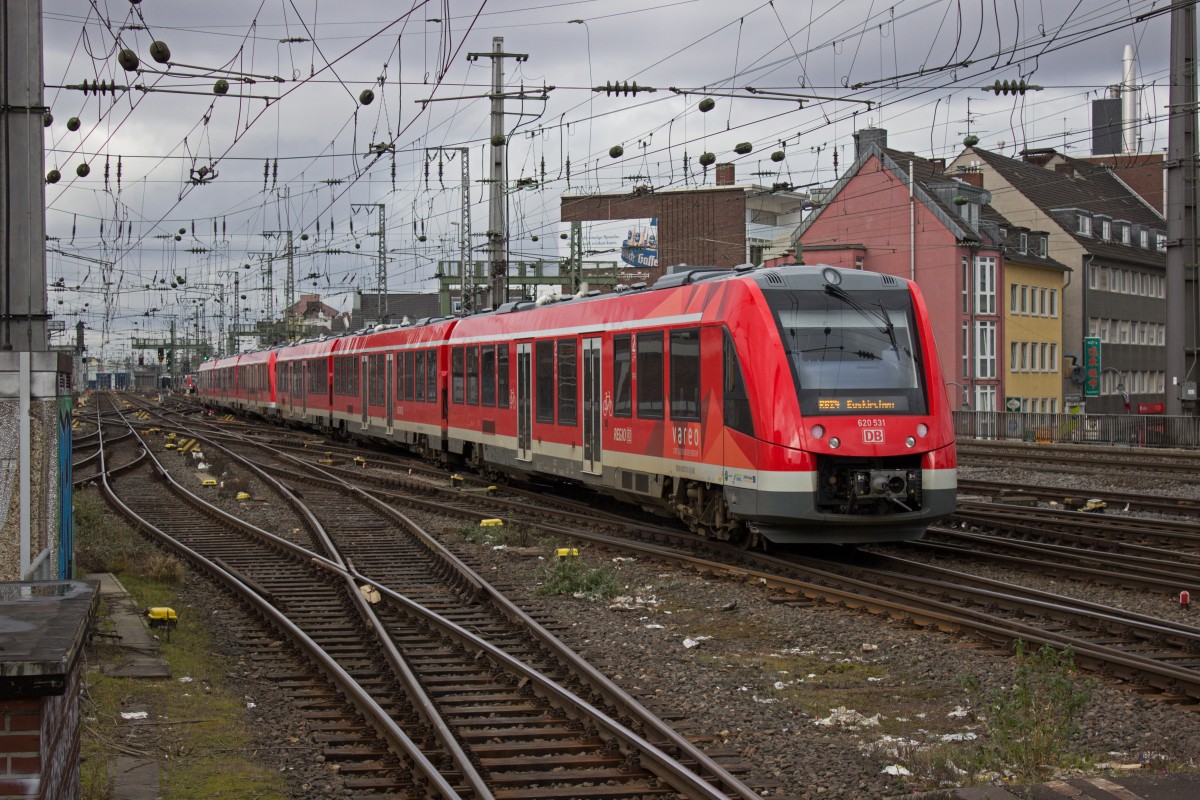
1087, 459
1135, 501
1105, 640
501, 709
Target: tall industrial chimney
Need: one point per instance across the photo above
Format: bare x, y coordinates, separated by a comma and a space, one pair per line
1130, 104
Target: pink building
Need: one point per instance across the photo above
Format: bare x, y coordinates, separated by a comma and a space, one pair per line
897, 213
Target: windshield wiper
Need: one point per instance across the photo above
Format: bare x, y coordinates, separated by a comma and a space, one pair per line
868, 312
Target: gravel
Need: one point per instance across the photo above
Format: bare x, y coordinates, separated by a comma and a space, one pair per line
818, 700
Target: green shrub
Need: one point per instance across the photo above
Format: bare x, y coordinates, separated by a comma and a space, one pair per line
1030, 724
571, 576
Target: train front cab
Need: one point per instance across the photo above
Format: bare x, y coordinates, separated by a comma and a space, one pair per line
855, 440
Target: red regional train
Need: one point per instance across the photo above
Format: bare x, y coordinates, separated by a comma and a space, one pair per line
784, 405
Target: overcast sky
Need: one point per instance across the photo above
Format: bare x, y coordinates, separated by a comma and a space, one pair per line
296, 70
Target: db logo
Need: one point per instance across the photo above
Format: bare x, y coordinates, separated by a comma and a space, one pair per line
872, 435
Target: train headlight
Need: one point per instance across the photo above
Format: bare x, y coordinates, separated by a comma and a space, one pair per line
922, 430
818, 431
910, 441
831, 276
835, 443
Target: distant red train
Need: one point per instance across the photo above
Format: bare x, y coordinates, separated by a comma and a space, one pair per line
787, 405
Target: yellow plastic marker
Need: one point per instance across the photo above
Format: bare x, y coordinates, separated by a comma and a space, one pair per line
209, 482
243, 495
491, 523
170, 436
169, 445
567, 552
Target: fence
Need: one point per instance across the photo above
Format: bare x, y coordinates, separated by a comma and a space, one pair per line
1133, 430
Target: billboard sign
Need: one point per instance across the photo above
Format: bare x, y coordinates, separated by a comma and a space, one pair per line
1091, 366
639, 248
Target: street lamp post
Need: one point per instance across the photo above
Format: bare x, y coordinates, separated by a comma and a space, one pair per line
966, 401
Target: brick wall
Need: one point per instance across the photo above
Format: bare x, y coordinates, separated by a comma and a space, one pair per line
39, 744
700, 228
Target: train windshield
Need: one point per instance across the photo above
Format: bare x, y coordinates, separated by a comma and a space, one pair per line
852, 352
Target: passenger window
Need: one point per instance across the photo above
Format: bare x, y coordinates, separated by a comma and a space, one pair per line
650, 375
502, 376
622, 377
685, 374
568, 393
488, 375
473, 375
544, 379
456, 375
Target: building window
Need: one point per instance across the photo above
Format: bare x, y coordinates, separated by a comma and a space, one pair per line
1085, 225
1012, 298
1024, 363
1023, 243
966, 350
1024, 299
1012, 357
985, 398
1043, 245
985, 350
1160, 242
1144, 238
1126, 234
1054, 303
985, 294
966, 286
859, 262
1105, 229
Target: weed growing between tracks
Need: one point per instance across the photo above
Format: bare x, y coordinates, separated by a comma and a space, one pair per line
1029, 725
195, 728
570, 575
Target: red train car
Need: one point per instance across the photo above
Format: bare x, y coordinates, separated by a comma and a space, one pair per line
243, 382
788, 405
389, 384
792, 404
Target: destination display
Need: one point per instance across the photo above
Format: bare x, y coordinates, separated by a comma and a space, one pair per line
845, 405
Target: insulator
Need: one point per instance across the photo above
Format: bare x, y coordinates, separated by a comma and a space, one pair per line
160, 52
128, 60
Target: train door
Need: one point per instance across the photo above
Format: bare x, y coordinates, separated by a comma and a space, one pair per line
291, 386
591, 406
364, 384
304, 367
524, 400
387, 393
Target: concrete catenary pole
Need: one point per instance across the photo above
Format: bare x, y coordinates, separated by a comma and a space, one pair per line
22, 183
1181, 198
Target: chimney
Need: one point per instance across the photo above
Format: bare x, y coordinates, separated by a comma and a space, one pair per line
938, 164
973, 178
868, 136
725, 174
